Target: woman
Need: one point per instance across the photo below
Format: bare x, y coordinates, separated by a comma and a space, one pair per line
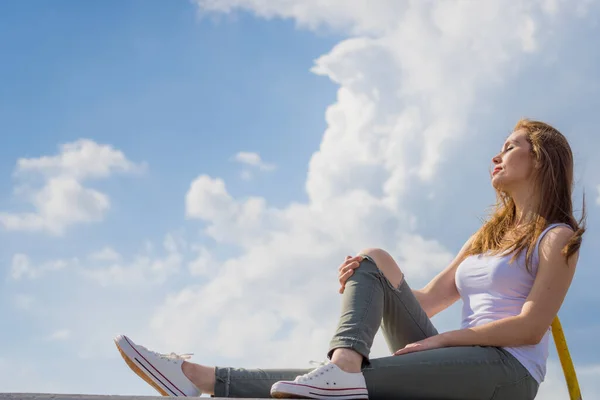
512, 276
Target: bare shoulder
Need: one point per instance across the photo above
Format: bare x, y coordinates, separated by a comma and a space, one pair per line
553, 243
557, 236
469, 242
464, 249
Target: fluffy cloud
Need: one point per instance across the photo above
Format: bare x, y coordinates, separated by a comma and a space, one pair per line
357, 17
22, 268
203, 263
106, 267
147, 268
251, 161
229, 220
79, 160
62, 199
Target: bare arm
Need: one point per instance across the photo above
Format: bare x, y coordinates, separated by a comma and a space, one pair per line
552, 282
440, 293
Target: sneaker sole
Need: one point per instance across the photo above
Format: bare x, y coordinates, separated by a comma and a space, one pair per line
142, 368
288, 390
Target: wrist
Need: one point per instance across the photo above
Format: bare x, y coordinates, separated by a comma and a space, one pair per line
446, 339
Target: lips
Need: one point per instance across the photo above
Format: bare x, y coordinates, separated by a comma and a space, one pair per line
496, 170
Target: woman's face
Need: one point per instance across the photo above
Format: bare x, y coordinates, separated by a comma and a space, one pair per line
513, 166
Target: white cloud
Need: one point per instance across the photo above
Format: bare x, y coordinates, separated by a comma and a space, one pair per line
207, 197
145, 269
203, 264
358, 17
80, 160
253, 160
408, 81
106, 267
22, 268
62, 200
229, 220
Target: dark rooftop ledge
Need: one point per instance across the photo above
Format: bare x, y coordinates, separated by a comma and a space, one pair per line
47, 396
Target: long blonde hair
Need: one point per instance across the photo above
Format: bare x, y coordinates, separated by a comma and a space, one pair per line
554, 183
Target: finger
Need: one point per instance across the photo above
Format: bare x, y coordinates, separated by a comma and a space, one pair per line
346, 261
342, 265
341, 291
411, 348
344, 277
404, 350
349, 267
352, 260
353, 265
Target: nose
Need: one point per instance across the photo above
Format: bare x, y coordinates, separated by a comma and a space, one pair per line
496, 160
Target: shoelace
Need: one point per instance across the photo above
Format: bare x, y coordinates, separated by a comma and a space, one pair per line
175, 356
171, 356
314, 373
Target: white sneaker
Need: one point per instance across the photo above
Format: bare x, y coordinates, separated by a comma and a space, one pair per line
161, 371
326, 382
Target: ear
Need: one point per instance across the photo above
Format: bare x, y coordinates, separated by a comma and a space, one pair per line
537, 161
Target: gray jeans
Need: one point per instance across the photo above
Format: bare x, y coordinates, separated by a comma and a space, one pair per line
370, 302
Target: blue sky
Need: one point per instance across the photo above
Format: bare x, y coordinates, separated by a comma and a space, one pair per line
153, 80
358, 125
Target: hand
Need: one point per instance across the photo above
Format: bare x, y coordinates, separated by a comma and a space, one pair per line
346, 270
430, 343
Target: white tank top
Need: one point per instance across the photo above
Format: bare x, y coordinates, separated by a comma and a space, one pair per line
492, 288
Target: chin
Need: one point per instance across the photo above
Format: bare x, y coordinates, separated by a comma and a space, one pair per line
498, 184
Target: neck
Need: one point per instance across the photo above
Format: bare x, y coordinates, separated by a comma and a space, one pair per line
525, 205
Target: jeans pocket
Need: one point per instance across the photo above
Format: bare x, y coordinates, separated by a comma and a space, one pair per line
522, 389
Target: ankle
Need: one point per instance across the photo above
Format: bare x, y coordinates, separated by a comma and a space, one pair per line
347, 360
201, 376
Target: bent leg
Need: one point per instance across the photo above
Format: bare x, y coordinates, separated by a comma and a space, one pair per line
461, 373
404, 321
378, 295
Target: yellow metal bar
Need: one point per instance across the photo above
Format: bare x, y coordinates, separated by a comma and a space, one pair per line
565, 360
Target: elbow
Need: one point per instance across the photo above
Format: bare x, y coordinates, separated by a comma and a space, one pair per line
533, 339
531, 330
534, 336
